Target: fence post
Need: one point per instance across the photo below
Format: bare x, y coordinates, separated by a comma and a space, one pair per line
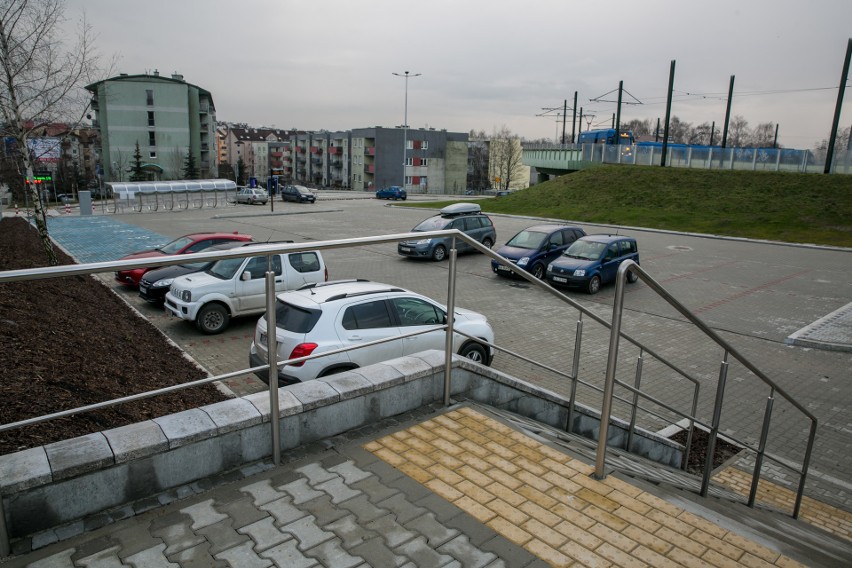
272, 359
451, 310
761, 449
575, 372
636, 384
714, 426
4, 534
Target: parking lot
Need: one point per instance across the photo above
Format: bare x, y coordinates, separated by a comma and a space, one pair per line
754, 294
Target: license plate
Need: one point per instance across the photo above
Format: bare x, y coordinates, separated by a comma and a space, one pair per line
405, 249
560, 279
143, 289
503, 268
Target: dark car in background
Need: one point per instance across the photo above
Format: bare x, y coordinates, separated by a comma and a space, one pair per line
392, 192
194, 242
592, 261
298, 194
155, 283
535, 247
466, 217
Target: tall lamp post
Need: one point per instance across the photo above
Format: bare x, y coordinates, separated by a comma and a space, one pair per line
406, 75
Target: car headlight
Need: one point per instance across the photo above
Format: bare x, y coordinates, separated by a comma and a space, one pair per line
163, 283
186, 296
579, 272
424, 241
523, 261
549, 269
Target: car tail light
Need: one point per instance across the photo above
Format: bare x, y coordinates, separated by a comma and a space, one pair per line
302, 350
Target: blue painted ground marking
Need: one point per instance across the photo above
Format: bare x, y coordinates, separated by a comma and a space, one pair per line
100, 239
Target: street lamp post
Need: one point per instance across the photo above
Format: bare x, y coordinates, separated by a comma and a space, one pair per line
405, 75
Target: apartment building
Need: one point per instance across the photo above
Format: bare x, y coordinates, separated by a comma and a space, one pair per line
263, 150
166, 116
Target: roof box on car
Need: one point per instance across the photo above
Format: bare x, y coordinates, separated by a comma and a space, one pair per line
457, 209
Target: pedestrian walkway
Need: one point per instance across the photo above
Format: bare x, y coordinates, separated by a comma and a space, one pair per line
833, 331
448, 488
100, 238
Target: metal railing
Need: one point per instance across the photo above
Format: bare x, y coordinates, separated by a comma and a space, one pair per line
574, 375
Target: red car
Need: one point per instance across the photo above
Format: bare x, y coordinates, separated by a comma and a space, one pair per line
195, 242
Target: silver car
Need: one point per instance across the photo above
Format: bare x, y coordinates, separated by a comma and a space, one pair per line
252, 195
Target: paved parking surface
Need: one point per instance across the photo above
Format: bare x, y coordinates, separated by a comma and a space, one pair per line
754, 294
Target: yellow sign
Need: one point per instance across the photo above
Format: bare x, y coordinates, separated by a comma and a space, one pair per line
496, 179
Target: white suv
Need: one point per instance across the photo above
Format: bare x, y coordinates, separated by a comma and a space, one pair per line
237, 287
325, 317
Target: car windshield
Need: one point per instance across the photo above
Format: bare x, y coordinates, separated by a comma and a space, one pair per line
587, 250
174, 246
527, 239
432, 224
196, 265
226, 268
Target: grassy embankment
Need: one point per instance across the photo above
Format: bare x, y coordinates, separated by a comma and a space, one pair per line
798, 208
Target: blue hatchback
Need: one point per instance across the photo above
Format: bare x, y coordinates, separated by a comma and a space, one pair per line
392, 192
593, 260
535, 247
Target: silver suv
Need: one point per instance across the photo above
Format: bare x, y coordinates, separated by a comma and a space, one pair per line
466, 217
324, 317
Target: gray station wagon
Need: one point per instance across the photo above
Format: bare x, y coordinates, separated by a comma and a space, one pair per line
466, 217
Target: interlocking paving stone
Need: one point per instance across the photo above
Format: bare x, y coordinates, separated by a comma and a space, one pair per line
104, 559
244, 557
203, 514
307, 532
288, 555
330, 553
283, 510
264, 533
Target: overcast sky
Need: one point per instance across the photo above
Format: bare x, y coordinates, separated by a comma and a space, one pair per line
486, 64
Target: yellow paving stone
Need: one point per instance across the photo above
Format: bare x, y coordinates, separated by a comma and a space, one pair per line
372, 446
472, 424
420, 445
499, 428
447, 434
717, 544
703, 524
621, 485
536, 496
569, 499
509, 530
503, 464
418, 458
395, 444
540, 513
528, 450
549, 554
553, 453
598, 500
544, 533
529, 466
508, 511
504, 478
401, 435
583, 538
520, 437
583, 555
475, 492
647, 539
658, 503
561, 469
470, 412
446, 460
476, 462
443, 489
592, 484
786, 562
500, 450
753, 561
670, 522
680, 541
447, 446
474, 475
580, 467
477, 511
416, 473
561, 482
653, 558
629, 502
576, 519
615, 539
448, 420
635, 518
619, 557
752, 547
608, 519
473, 442
720, 560
535, 480
505, 493
445, 474
684, 558
392, 458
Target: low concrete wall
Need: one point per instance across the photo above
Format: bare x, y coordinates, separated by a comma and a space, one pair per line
66, 481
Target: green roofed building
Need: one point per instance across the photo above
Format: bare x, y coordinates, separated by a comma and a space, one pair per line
166, 116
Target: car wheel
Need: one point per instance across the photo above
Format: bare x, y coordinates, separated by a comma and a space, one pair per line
538, 271
335, 371
440, 253
487, 243
594, 285
212, 319
632, 277
475, 352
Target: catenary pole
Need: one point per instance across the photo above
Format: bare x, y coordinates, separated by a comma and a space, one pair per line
668, 115
728, 114
844, 76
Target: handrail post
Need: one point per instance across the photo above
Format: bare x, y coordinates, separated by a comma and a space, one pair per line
451, 310
272, 359
714, 426
761, 449
5, 550
575, 374
692, 414
804, 473
611, 361
636, 384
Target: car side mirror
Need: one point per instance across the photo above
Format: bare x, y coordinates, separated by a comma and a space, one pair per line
245, 276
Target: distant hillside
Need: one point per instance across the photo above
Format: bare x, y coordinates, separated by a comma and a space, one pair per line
801, 208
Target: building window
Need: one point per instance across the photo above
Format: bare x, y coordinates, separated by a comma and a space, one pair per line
149, 97
422, 181
152, 139
152, 154
408, 180
409, 161
409, 144
424, 162
150, 118
424, 145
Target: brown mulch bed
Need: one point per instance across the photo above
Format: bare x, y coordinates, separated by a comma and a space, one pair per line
68, 342
698, 454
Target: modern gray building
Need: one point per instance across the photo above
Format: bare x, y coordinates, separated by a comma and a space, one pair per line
166, 116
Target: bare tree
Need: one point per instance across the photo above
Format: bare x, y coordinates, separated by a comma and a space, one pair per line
738, 133
763, 135
40, 81
506, 158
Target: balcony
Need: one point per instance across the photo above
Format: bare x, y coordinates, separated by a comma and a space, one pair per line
299, 149
316, 161
204, 108
316, 150
371, 151
276, 154
370, 168
335, 150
